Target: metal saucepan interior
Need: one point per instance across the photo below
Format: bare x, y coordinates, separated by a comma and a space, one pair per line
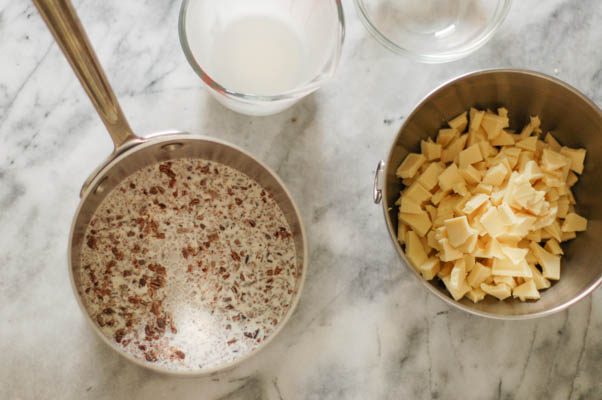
131, 153
574, 120
169, 147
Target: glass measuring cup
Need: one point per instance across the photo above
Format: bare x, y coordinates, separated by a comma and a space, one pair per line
259, 57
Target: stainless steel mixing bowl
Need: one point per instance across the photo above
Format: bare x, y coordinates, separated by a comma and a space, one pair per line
574, 119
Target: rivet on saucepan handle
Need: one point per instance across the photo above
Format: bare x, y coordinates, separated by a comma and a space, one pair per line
171, 146
377, 191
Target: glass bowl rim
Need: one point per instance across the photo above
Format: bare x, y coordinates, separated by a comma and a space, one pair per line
502, 9
301, 91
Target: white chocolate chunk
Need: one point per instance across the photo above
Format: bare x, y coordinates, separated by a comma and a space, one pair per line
420, 223
493, 124
450, 177
432, 151
417, 192
471, 175
496, 175
503, 139
457, 277
574, 223
529, 143
446, 136
478, 275
430, 176
410, 165
415, 250
459, 123
526, 291
505, 267
550, 263
430, 268
474, 203
457, 293
458, 230
577, 157
448, 252
501, 291
476, 295
551, 160
515, 254
409, 206
493, 222
552, 142
470, 156
538, 279
553, 247
476, 117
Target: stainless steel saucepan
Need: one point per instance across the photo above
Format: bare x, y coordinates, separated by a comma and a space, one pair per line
133, 152
574, 119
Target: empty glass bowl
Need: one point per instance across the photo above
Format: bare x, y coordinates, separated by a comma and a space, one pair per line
433, 31
259, 57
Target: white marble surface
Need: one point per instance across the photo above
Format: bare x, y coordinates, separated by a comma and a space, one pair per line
365, 329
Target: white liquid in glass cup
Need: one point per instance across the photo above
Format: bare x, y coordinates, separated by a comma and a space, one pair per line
259, 57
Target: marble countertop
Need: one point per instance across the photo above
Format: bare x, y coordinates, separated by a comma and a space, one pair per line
364, 329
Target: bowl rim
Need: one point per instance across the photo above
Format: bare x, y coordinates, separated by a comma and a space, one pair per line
174, 136
301, 91
392, 230
503, 7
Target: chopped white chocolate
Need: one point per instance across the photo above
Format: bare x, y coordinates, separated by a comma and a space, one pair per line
574, 223
493, 222
417, 192
553, 247
457, 277
529, 143
551, 160
446, 136
483, 200
506, 267
476, 117
430, 176
457, 293
475, 295
448, 252
526, 291
493, 124
496, 175
432, 151
538, 279
503, 139
478, 274
577, 157
415, 250
552, 142
450, 177
420, 223
471, 175
470, 156
459, 123
501, 291
474, 203
410, 165
409, 206
458, 230
429, 268
550, 263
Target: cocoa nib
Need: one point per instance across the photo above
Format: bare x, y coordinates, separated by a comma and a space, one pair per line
119, 334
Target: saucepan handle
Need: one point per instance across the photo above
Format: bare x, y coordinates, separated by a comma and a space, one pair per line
377, 191
63, 22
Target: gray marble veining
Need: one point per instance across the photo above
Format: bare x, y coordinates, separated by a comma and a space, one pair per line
364, 328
